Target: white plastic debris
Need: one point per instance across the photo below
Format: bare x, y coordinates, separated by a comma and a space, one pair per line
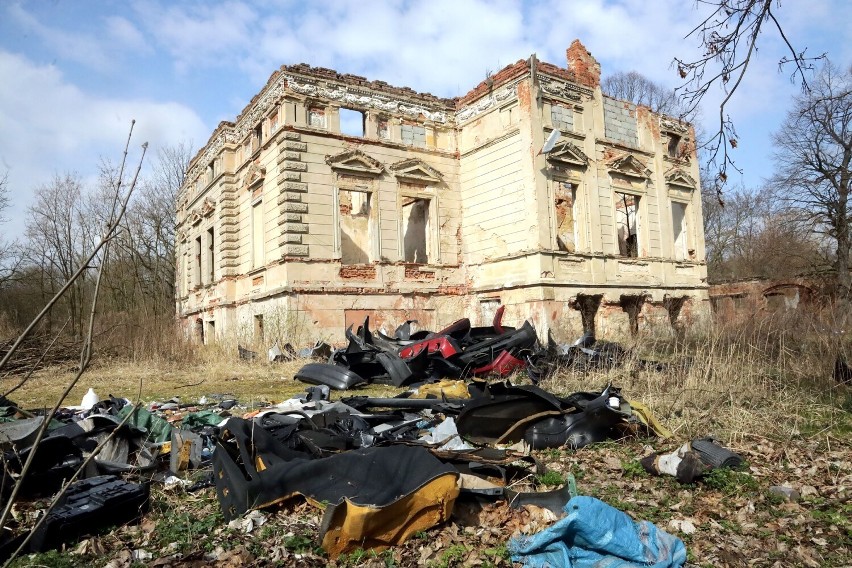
686, 526
251, 521
447, 435
90, 399
274, 352
173, 481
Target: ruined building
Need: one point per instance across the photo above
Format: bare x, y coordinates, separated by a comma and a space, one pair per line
332, 197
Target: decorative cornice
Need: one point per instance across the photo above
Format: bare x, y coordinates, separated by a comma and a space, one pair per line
673, 125
561, 89
257, 112
210, 152
345, 94
507, 92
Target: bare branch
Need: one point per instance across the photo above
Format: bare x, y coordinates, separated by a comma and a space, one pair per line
728, 38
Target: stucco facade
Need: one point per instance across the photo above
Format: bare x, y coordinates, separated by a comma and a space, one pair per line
332, 197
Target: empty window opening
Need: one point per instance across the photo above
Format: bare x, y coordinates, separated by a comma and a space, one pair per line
199, 331
562, 118
383, 129
413, 134
673, 147
588, 306
186, 270
316, 117
197, 267
210, 336
210, 257
258, 136
355, 226
351, 122
566, 231
257, 239
681, 247
258, 328
632, 305
627, 221
415, 230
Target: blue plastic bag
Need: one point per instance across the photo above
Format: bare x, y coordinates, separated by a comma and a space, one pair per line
597, 535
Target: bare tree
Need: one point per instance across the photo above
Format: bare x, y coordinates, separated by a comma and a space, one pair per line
57, 238
728, 39
154, 216
639, 89
813, 157
7, 262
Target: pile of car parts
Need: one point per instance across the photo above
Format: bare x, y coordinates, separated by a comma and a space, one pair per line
383, 468
458, 350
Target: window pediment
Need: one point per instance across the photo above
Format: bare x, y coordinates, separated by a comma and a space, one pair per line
208, 207
255, 174
566, 153
629, 166
416, 169
679, 178
355, 161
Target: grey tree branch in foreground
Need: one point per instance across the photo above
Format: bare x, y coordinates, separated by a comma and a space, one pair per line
120, 207
728, 38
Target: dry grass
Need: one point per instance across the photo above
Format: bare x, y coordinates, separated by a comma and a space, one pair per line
250, 382
763, 376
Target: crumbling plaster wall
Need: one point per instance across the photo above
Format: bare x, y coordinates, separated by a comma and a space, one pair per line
491, 196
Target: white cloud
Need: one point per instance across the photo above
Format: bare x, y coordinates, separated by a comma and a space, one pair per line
201, 34
65, 44
51, 125
123, 33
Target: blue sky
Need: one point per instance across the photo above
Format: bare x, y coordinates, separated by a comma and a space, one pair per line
73, 73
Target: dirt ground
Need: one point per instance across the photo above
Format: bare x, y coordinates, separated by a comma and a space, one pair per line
729, 519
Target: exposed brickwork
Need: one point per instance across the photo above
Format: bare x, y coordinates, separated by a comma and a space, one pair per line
358, 271
585, 68
505, 75
453, 290
415, 273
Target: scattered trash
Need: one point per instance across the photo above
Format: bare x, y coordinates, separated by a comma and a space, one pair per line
90, 399
383, 469
90, 505
785, 492
596, 534
249, 522
685, 526
692, 460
